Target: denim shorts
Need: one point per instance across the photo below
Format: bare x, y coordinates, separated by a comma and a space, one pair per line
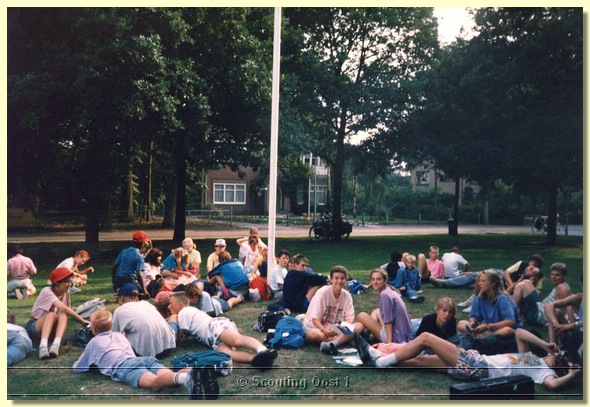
30, 327
470, 366
132, 369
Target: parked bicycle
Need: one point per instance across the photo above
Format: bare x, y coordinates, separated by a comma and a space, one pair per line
324, 229
540, 224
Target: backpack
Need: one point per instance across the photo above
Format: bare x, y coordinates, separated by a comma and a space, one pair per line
90, 306
288, 334
219, 360
268, 320
355, 287
80, 337
155, 286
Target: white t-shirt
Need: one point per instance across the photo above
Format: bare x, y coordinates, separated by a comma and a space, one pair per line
452, 261
276, 277
527, 364
194, 321
330, 310
145, 328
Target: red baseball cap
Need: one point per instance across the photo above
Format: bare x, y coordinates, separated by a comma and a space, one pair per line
59, 274
140, 237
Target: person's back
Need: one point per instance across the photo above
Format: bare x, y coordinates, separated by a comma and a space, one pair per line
145, 328
452, 261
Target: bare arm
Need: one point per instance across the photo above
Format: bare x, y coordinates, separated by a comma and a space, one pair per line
555, 383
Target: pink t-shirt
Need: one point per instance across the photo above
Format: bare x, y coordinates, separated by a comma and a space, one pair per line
44, 303
20, 267
328, 309
436, 268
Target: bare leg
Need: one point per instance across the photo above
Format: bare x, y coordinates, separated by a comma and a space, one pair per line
311, 292
446, 351
422, 267
370, 323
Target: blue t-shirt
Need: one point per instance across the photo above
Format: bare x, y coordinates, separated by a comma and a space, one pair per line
504, 308
232, 272
170, 263
130, 261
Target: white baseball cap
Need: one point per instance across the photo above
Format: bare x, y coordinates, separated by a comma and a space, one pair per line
220, 243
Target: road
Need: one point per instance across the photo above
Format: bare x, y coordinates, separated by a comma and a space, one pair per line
241, 229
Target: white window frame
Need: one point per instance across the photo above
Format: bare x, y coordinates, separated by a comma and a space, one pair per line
227, 188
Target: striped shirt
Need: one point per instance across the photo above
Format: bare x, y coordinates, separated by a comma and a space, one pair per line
129, 262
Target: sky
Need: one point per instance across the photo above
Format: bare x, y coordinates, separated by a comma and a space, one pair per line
450, 21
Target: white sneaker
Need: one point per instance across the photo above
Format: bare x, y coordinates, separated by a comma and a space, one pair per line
468, 302
43, 352
467, 310
54, 350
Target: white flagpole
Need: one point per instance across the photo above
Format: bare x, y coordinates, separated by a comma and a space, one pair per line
274, 138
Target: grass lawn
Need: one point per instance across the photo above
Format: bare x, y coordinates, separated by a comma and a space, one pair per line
300, 374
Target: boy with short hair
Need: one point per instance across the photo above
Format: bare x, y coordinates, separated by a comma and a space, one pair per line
129, 265
408, 280
300, 286
329, 307
112, 353
219, 333
276, 277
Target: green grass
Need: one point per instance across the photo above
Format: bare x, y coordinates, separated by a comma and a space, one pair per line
298, 374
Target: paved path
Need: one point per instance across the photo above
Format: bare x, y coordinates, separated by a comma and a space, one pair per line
241, 229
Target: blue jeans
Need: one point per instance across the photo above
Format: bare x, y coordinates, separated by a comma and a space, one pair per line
18, 347
464, 280
409, 292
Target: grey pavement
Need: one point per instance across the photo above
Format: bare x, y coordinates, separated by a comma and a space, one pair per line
238, 230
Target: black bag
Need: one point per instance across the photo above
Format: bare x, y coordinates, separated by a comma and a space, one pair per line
219, 360
515, 387
155, 286
268, 320
80, 337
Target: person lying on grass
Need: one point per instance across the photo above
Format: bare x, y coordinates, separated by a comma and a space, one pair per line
546, 366
219, 333
113, 355
50, 313
329, 307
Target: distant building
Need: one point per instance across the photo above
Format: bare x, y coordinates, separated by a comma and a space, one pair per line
426, 177
245, 194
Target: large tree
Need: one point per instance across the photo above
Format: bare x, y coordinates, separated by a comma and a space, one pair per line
351, 65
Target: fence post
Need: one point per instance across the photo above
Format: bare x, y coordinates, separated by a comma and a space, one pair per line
419, 218
363, 219
287, 220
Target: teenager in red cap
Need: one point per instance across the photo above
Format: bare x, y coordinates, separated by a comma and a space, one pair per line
129, 265
50, 313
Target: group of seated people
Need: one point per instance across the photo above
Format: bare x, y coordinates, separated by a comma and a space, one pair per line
188, 305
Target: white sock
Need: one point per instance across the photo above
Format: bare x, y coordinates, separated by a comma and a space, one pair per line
261, 349
180, 378
387, 360
57, 341
43, 343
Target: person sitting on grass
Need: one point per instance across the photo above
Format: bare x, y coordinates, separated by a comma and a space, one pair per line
492, 312
546, 366
300, 286
525, 295
73, 263
193, 262
393, 266
390, 322
129, 264
431, 267
112, 354
442, 323
50, 313
329, 307
276, 277
218, 333
229, 275
20, 269
146, 330
408, 280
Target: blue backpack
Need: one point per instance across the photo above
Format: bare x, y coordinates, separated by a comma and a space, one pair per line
219, 360
288, 334
356, 287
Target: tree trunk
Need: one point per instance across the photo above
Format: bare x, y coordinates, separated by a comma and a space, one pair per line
181, 162
129, 197
552, 214
148, 189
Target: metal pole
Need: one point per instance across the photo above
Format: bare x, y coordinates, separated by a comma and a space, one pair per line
274, 136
